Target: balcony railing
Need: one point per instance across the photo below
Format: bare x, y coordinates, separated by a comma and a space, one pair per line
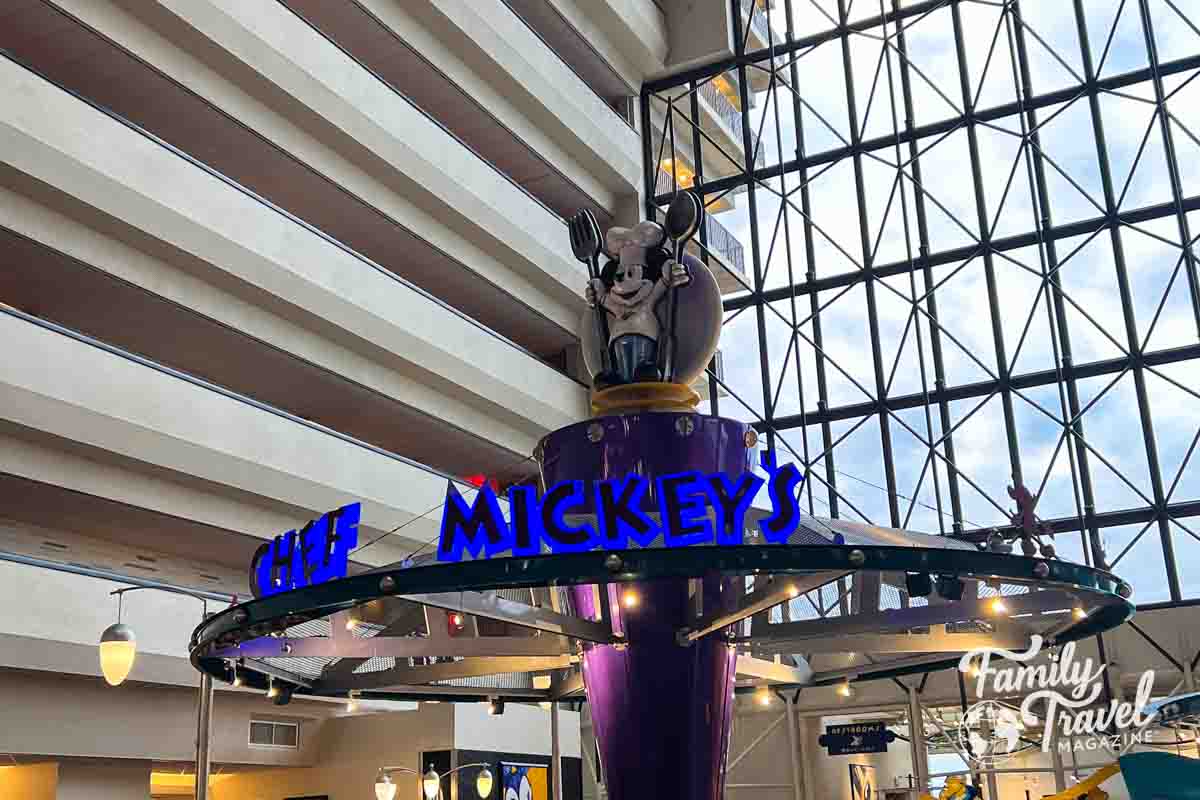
727, 113
725, 245
721, 242
758, 19
724, 109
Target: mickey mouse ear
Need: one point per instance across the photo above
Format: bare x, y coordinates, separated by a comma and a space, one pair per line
615, 239
649, 234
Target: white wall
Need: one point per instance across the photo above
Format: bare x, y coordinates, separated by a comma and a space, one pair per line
132, 411
829, 776
74, 717
71, 608
520, 729
352, 749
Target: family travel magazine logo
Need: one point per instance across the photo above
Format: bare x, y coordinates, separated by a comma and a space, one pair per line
1067, 688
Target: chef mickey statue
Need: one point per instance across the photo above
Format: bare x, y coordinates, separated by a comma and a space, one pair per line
654, 314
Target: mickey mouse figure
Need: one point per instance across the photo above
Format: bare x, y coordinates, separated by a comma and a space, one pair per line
653, 315
636, 277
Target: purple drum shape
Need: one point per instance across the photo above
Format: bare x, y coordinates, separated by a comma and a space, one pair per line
650, 445
662, 712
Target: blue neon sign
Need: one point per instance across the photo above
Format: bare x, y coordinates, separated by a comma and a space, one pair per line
683, 500
318, 552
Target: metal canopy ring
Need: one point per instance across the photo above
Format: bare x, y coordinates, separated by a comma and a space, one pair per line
381, 634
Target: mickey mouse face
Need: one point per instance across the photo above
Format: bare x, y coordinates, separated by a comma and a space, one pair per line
629, 284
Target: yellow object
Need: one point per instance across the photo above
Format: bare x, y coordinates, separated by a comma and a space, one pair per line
649, 396
116, 661
539, 783
955, 789
483, 783
1090, 787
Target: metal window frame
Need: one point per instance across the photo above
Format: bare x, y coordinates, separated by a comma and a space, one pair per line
274, 723
800, 292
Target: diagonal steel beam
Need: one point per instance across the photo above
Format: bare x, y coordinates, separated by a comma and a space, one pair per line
494, 607
1008, 635
440, 691
750, 667
863, 669
402, 619
450, 670
277, 672
770, 595
902, 619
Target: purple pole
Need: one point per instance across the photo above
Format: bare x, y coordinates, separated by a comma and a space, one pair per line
662, 712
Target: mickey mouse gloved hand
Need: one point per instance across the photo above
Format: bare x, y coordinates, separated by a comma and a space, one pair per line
595, 291
677, 274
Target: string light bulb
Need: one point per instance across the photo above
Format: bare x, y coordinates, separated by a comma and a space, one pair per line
998, 606
483, 783
431, 783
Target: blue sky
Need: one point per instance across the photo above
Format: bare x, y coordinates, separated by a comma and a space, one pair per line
1089, 279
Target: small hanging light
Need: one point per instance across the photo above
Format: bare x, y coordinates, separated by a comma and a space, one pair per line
118, 649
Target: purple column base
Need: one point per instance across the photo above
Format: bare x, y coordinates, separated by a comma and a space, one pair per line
662, 712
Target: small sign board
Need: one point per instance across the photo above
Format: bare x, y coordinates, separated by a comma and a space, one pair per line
855, 738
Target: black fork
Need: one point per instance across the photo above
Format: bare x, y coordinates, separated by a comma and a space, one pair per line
586, 245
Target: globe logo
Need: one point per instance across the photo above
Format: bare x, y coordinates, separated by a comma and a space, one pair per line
990, 732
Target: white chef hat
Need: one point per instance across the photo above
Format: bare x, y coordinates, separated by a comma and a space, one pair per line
644, 234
